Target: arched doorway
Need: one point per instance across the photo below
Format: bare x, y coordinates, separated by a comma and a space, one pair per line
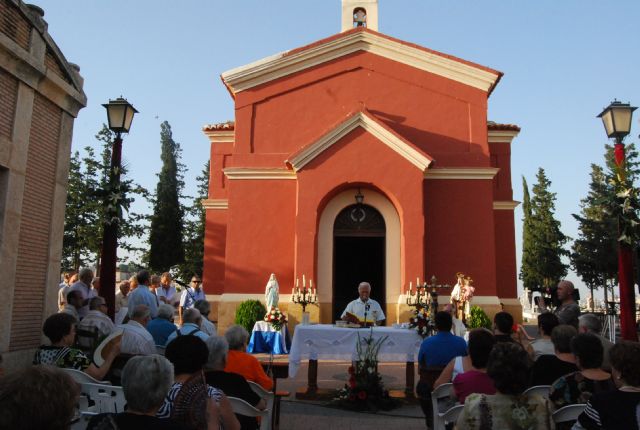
359, 244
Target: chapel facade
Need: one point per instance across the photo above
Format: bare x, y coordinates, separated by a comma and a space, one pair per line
359, 157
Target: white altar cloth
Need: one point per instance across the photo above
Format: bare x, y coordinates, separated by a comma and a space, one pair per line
328, 342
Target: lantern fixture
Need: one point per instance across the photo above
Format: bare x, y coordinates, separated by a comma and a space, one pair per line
120, 114
617, 120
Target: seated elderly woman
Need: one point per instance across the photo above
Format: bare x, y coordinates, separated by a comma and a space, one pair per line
578, 387
617, 409
162, 326
37, 397
61, 331
548, 368
508, 408
475, 379
190, 399
242, 363
145, 381
232, 384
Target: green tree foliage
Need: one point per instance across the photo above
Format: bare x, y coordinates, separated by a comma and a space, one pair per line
624, 202
84, 215
479, 318
194, 229
594, 252
545, 241
527, 265
165, 238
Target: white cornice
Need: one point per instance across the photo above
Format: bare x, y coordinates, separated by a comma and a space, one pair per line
217, 204
462, 173
240, 173
216, 136
505, 205
369, 124
284, 64
502, 136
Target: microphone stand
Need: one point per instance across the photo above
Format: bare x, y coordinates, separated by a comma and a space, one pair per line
367, 306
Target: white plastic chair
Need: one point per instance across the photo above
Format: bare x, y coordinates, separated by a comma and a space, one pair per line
540, 390
107, 398
241, 407
568, 413
451, 415
268, 396
82, 378
444, 391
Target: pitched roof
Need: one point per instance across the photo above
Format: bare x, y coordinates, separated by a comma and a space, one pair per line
370, 124
359, 39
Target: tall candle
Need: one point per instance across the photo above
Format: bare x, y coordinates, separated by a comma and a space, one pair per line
417, 282
310, 283
297, 282
304, 282
410, 285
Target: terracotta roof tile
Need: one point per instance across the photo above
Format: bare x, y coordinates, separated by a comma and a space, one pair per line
502, 127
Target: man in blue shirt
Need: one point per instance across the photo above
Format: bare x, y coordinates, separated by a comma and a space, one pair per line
191, 327
162, 327
435, 353
142, 295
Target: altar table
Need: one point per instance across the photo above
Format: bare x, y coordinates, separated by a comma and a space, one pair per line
264, 338
328, 342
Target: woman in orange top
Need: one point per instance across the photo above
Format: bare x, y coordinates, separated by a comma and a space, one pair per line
243, 363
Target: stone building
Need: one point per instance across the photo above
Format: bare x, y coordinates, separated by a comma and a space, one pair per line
40, 95
359, 157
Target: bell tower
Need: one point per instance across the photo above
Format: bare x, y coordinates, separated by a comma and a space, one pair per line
359, 13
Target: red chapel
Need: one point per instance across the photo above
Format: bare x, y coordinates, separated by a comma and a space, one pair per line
359, 157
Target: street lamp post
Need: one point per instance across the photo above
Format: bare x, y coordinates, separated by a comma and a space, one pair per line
617, 123
120, 115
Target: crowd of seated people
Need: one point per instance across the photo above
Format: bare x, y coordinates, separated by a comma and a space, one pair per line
490, 378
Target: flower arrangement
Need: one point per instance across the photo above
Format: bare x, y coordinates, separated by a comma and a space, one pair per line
421, 322
364, 390
276, 318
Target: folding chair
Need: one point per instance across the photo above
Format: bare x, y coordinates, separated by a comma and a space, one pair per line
441, 400
451, 415
87, 339
540, 390
269, 398
81, 377
107, 398
568, 413
241, 407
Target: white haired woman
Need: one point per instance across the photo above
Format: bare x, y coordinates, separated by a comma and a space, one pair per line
243, 363
145, 381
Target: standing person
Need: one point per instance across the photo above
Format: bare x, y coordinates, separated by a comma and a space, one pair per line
166, 292
190, 295
617, 409
68, 279
83, 285
435, 352
142, 296
364, 305
122, 300
155, 285
568, 311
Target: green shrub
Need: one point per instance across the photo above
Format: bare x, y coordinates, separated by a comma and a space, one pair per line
479, 318
249, 312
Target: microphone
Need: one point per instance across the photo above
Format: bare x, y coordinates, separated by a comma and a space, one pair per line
367, 306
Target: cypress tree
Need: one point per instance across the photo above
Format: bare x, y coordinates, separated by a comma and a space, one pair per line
165, 238
527, 265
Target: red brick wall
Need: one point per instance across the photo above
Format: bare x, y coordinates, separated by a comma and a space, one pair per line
14, 25
8, 95
33, 246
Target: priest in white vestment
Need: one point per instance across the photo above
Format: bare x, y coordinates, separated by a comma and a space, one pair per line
365, 305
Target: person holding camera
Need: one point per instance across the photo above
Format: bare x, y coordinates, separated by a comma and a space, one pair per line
568, 310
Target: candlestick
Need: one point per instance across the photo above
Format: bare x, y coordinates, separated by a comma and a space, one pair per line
304, 283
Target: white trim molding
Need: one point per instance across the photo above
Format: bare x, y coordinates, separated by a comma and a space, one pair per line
216, 136
505, 205
462, 173
370, 125
287, 63
247, 174
217, 204
502, 136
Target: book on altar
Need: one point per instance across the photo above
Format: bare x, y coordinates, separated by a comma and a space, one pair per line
353, 318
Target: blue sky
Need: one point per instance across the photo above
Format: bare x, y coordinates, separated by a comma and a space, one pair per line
563, 62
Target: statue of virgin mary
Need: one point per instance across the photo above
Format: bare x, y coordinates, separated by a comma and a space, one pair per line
271, 292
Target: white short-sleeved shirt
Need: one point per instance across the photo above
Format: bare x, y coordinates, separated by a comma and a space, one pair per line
190, 296
171, 294
98, 320
358, 307
136, 339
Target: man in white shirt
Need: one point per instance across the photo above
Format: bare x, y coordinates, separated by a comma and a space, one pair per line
97, 318
190, 295
69, 278
136, 339
73, 302
167, 292
122, 300
365, 305
85, 278
142, 296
